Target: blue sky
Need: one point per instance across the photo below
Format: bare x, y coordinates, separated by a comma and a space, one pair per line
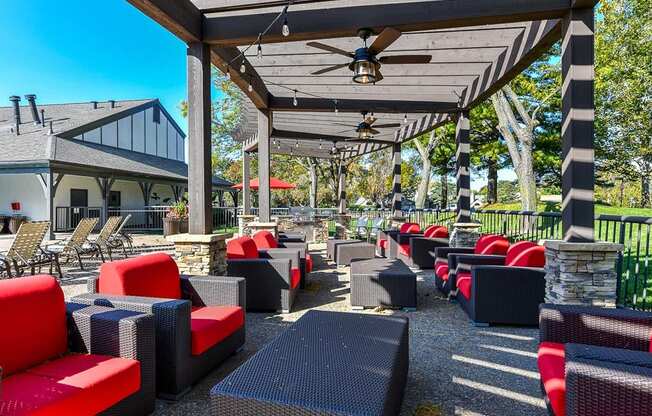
80, 50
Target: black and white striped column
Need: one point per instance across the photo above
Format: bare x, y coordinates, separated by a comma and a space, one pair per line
577, 128
264, 196
246, 177
463, 175
342, 190
397, 196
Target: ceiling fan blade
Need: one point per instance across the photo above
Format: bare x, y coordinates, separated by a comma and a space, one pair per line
374, 131
370, 120
405, 59
345, 131
331, 49
329, 69
386, 126
386, 38
379, 76
345, 125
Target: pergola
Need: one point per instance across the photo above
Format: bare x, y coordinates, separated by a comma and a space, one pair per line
477, 46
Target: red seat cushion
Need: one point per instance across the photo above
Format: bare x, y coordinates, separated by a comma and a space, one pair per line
441, 270
241, 248
552, 369
309, 263
151, 275
79, 384
295, 278
404, 249
265, 239
464, 285
33, 322
211, 324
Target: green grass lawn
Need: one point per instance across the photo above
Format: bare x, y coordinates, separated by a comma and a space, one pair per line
599, 209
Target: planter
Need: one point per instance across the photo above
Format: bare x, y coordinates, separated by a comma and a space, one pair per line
172, 226
14, 223
183, 226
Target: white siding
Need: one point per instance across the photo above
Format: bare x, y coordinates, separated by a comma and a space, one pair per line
172, 142
139, 132
162, 137
150, 132
26, 189
124, 133
180, 148
110, 134
93, 136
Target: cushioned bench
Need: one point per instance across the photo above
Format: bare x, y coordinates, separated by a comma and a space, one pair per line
346, 253
333, 244
383, 282
327, 363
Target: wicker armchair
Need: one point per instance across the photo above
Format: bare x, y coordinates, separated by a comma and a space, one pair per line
405, 231
419, 250
200, 320
595, 361
265, 241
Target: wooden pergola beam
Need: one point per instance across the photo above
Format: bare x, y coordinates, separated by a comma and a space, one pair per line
358, 105
180, 17
223, 59
300, 135
243, 29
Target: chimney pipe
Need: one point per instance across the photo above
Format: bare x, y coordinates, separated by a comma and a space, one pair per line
94, 105
31, 99
112, 103
16, 100
42, 117
50, 131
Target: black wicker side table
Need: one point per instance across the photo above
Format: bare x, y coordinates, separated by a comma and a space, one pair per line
333, 244
383, 282
327, 363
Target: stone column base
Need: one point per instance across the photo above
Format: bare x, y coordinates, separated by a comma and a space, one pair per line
342, 222
243, 220
200, 255
253, 227
581, 273
465, 234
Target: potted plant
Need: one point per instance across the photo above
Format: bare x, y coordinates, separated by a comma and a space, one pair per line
176, 220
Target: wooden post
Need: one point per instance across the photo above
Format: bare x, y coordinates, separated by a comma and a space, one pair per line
397, 196
264, 132
462, 157
50, 182
246, 177
342, 189
577, 180
105, 185
200, 170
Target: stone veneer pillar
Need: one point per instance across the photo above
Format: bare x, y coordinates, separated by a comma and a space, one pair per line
342, 222
200, 254
465, 234
253, 227
243, 220
581, 273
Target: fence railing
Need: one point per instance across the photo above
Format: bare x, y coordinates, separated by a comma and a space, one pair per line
67, 218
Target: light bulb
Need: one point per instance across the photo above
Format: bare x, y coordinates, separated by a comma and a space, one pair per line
260, 51
228, 73
336, 110
250, 88
405, 120
319, 146
286, 28
294, 101
297, 144
243, 68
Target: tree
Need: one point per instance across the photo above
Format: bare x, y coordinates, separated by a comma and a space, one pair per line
425, 146
488, 149
443, 160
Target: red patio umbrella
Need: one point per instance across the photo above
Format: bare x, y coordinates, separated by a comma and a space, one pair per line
274, 183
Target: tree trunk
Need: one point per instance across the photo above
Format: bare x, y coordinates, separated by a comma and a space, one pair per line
645, 191
444, 191
313, 183
424, 184
492, 182
622, 192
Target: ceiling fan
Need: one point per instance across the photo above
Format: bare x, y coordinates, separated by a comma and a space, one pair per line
366, 63
366, 129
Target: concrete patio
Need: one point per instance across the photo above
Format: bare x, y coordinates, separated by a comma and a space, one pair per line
459, 368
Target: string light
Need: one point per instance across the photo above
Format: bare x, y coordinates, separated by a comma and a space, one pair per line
294, 101
297, 144
320, 144
250, 88
228, 73
405, 120
336, 109
286, 28
260, 48
243, 68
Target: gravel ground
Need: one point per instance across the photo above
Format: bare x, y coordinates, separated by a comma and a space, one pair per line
459, 368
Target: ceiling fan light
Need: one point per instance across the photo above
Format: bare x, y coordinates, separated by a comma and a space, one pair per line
365, 133
364, 71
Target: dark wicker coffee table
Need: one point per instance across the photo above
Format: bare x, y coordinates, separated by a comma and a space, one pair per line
383, 282
327, 363
333, 244
346, 253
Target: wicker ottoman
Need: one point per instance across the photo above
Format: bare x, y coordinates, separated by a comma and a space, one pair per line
327, 363
345, 253
332, 244
383, 282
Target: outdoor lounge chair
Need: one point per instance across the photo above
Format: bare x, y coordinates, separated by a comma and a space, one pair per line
595, 361
265, 241
445, 260
5, 267
502, 289
362, 228
120, 238
69, 359
200, 320
75, 246
102, 242
419, 251
272, 277
405, 231
26, 252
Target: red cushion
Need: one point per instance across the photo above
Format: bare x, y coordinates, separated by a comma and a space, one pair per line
409, 227
382, 244
484, 241
79, 384
404, 249
516, 249
151, 275
441, 232
241, 248
441, 270
532, 257
265, 239
211, 324
32, 322
430, 230
463, 274
309, 263
464, 285
551, 361
295, 278
498, 246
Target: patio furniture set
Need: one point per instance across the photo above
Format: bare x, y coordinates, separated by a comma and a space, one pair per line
27, 251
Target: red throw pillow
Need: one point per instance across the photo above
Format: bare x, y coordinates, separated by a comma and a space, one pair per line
152, 275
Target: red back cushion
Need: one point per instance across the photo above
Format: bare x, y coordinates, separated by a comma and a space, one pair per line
409, 227
241, 248
431, 230
32, 322
441, 232
499, 247
265, 239
530, 257
483, 241
516, 249
152, 275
